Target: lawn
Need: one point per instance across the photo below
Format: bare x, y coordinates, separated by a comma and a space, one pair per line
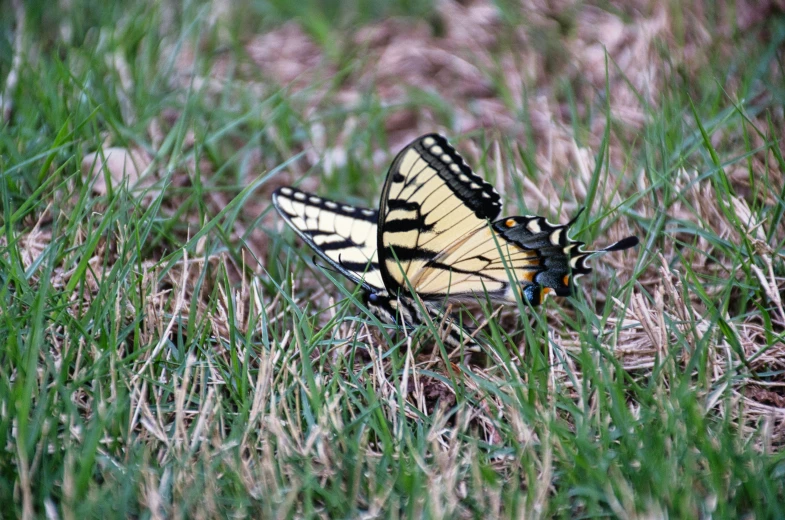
168, 348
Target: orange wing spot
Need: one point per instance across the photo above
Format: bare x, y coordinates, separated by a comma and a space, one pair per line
526, 276
510, 222
566, 280
544, 293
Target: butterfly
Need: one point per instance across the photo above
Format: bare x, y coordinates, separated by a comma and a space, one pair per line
437, 232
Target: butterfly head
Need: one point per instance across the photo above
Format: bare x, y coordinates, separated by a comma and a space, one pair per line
402, 312
409, 315
381, 305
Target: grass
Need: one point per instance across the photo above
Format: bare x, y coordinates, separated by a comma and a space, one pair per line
170, 351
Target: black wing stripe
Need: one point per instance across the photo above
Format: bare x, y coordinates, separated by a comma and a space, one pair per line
403, 205
446, 267
406, 225
407, 254
339, 244
359, 267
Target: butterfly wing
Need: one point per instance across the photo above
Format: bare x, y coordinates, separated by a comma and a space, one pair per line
344, 236
437, 230
431, 202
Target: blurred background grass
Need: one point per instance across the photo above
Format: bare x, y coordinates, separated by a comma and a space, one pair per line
169, 351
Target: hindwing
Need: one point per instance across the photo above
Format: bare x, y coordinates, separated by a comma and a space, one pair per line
437, 230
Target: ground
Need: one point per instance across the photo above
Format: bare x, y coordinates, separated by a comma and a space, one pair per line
172, 350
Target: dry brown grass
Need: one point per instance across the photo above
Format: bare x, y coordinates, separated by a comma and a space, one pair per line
481, 68
396, 55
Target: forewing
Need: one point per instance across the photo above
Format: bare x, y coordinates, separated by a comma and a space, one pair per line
344, 236
431, 202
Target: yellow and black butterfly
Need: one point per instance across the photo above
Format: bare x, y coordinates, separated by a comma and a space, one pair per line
437, 231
